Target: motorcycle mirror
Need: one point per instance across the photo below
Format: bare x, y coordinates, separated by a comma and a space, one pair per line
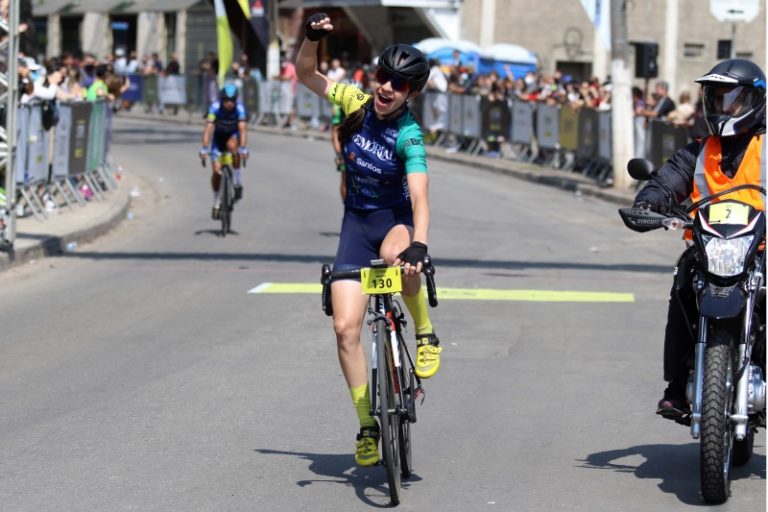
640, 169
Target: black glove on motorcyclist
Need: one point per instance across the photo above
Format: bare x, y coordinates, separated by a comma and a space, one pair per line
414, 254
650, 206
314, 34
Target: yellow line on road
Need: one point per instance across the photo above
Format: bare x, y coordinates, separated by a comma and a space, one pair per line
474, 293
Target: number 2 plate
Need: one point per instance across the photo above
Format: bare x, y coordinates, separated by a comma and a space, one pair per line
729, 213
381, 280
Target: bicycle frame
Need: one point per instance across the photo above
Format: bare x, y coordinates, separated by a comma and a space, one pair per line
393, 399
383, 309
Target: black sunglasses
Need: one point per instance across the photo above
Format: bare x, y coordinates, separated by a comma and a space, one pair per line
398, 84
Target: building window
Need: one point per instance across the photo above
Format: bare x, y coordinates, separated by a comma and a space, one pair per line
41, 33
70, 34
693, 50
724, 49
744, 55
170, 34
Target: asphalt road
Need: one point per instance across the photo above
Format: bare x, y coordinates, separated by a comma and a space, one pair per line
138, 373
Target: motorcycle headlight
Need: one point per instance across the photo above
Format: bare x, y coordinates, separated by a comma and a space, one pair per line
726, 257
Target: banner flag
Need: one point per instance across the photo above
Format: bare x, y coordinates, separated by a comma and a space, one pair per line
259, 21
224, 38
246, 8
599, 13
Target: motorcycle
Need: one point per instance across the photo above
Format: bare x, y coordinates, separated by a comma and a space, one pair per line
726, 386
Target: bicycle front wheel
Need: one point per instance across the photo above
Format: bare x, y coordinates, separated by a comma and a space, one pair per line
389, 416
226, 199
404, 428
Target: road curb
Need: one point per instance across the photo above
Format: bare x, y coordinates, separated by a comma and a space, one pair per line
520, 170
55, 244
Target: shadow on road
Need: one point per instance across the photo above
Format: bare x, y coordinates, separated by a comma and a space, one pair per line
320, 258
215, 232
677, 466
341, 469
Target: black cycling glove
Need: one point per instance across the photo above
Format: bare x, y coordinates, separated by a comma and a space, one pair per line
314, 34
414, 254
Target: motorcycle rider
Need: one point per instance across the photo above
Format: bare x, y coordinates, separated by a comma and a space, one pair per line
734, 94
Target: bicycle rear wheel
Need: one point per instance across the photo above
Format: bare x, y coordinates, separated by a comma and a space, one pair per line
389, 416
226, 199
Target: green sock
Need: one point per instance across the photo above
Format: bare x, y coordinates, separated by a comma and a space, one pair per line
362, 400
417, 305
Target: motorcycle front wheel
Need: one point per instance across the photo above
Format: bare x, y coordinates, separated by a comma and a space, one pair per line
716, 427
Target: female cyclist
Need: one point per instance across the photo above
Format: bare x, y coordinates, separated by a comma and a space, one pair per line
386, 208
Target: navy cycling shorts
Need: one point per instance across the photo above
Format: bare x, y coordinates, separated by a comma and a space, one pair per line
219, 142
363, 231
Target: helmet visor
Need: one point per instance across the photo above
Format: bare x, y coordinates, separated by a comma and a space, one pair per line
726, 100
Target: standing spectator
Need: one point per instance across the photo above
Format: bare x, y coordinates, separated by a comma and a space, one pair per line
133, 63
173, 67
88, 69
683, 114
28, 73
456, 64
245, 66
639, 107
288, 73
157, 64
147, 67
439, 103
336, 73
121, 63
360, 76
98, 89
664, 104
71, 85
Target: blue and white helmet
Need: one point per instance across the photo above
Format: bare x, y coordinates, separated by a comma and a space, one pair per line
228, 92
734, 97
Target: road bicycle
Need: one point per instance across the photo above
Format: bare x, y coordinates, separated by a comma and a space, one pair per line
396, 387
226, 191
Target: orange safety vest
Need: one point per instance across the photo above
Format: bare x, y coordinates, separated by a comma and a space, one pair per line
708, 179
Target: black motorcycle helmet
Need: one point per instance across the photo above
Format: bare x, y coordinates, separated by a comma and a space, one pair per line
406, 62
734, 97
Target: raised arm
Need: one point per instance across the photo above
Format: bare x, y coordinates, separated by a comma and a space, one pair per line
317, 26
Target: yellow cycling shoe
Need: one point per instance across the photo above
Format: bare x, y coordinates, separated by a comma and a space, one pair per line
427, 355
367, 449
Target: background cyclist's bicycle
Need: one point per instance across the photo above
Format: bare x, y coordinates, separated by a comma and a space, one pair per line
227, 195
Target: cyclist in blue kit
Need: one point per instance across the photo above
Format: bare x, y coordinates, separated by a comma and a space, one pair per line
386, 207
225, 131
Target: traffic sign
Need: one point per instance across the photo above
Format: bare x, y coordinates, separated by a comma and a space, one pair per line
734, 10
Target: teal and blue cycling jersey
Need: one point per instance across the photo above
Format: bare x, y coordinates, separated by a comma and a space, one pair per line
380, 155
226, 121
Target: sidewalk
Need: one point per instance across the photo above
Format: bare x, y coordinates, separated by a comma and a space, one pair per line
35, 239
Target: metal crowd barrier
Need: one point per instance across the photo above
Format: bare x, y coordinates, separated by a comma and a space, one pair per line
271, 101
54, 165
576, 140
